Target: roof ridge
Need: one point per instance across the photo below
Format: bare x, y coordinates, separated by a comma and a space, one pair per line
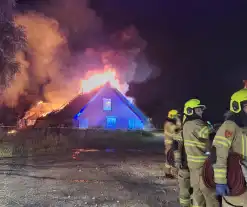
88, 102
131, 106
134, 108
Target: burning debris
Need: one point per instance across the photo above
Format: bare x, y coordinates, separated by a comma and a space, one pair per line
54, 61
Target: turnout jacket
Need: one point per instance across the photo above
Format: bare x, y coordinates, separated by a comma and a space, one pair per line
229, 137
196, 134
172, 132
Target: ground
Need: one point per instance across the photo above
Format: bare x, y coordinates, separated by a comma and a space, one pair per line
104, 178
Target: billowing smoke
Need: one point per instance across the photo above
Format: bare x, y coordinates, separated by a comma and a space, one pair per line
42, 63
65, 40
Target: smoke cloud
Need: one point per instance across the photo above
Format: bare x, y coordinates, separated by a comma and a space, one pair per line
65, 40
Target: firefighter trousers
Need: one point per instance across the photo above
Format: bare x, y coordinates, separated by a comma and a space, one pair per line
184, 187
230, 201
201, 196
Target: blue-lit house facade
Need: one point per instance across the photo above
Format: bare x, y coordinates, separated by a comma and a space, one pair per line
109, 109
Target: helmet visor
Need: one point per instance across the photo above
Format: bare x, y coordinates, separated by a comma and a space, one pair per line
203, 107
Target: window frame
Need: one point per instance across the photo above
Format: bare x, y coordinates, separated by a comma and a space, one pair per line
108, 118
104, 100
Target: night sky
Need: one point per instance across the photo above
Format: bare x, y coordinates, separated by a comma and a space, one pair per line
200, 48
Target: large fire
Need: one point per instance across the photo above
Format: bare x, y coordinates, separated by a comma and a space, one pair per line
95, 79
40, 109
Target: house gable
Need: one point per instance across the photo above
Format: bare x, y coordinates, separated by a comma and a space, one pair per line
93, 113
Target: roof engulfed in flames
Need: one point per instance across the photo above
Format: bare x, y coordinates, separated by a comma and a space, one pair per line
93, 80
41, 109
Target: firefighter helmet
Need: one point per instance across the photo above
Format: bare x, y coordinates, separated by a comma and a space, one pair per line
173, 114
192, 104
237, 99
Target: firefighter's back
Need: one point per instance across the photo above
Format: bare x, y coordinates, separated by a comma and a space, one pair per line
194, 147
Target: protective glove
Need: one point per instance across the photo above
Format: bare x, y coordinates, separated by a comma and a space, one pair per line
222, 190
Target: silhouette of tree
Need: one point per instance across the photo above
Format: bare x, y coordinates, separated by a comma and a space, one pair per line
12, 40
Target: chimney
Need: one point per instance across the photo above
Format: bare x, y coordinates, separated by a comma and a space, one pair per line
245, 83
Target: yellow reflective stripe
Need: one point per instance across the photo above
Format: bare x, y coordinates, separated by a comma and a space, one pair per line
220, 172
194, 144
221, 139
168, 141
184, 201
177, 137
220, 180
168, 133
221, 143
198, 159
219, 176
203, 133
244, 146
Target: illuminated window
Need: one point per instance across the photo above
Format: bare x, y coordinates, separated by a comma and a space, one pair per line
106, 104
135, 124
131, 123
111, 122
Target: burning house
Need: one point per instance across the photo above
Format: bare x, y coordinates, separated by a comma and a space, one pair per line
110, 109
105, 108
99, 105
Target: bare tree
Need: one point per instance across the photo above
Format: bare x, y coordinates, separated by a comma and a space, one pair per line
12, 40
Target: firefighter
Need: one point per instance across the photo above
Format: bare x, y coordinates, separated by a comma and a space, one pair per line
172, 129
183, 172
196, 135
232, 135
174, 141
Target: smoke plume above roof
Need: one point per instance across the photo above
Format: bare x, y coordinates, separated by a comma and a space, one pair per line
65, 40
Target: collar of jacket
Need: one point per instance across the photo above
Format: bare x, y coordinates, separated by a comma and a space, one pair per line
191, 118
239, 118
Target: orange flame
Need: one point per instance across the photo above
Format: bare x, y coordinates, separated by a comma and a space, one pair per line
95, 80
40, 109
